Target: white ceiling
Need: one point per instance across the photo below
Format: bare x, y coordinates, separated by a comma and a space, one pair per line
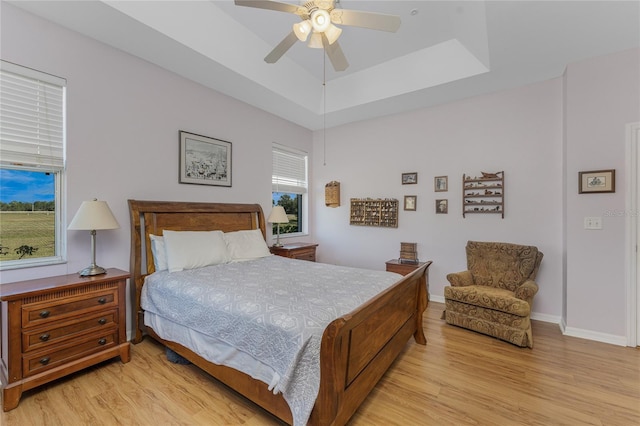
443, 51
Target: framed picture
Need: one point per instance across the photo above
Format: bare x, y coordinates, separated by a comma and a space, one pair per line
596, 181
204, 160
442, 206
410, 202
441, 183
409, 178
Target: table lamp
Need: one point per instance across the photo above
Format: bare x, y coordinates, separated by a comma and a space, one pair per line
92, 216
278, 216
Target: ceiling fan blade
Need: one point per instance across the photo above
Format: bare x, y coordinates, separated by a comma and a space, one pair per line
272, 5
281, 48
371, 20
335, 54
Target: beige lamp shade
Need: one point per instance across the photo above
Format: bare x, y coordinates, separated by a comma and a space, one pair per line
91, 216
94, 215
278, 215
302, 29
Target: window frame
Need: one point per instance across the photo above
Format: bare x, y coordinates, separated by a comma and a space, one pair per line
301, 187
23, 160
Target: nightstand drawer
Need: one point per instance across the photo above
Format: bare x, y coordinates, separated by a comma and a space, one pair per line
302, 251
62, 331
37, 362
398, 267
305, 255
35, 314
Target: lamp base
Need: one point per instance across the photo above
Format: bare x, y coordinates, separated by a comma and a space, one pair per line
278, 244
92, 270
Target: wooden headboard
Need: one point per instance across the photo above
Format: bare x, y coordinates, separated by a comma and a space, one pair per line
152, 217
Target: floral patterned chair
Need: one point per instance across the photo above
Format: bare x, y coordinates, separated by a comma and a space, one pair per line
494, 295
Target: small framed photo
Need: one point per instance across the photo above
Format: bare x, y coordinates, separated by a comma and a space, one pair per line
409, 178
442, 206
204, 160
596, 181
441, 183
410, 202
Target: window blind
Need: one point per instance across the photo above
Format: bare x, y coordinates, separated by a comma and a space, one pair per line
289, 170
31, 118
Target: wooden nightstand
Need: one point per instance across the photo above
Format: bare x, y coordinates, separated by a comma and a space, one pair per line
394, 265
53, 327
303, 251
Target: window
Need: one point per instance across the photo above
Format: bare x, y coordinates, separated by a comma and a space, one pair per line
32, 139
289, 188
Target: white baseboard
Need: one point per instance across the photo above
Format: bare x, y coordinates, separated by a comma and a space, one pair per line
434, 298
595, 335
553, 319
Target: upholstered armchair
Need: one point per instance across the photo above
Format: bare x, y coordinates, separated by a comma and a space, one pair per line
494, 295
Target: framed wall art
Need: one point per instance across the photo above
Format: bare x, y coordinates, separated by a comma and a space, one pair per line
596, 181
410, 202
204, 160
442, 206
409, 178
441, 184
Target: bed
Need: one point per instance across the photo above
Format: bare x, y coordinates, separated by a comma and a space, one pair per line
355, 349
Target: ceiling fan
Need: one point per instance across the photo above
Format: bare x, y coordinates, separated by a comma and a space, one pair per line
318, 19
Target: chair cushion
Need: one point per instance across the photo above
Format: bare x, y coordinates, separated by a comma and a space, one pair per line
500, 265
488, 297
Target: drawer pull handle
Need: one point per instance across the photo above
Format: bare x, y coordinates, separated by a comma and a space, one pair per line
102, 300
102, 341
44, 314
45, 360
102, 321
44, 337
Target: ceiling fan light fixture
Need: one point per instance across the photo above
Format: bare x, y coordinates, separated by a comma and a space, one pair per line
332, 33
320, 20
302, 29
315, 41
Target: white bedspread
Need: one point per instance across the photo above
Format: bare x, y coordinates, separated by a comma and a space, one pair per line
273, 310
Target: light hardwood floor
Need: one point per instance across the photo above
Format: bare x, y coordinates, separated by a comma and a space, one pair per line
459, 378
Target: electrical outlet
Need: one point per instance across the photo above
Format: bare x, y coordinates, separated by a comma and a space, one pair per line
592, 223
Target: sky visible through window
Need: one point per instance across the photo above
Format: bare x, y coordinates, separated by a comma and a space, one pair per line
26, 186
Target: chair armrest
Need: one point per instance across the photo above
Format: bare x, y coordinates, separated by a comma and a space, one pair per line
460, 279
526, 291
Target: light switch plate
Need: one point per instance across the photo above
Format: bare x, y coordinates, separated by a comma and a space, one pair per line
592, 223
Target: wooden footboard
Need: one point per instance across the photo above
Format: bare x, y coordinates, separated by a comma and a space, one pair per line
356, 349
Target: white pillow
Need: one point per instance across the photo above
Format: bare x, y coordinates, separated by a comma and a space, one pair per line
246, 245
194, 249
158, 251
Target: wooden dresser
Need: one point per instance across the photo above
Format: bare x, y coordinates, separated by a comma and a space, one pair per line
52, 327
303, 251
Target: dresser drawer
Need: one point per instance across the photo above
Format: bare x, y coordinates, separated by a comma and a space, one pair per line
35, 314
305, 255
59, 332
302, 251
36, 362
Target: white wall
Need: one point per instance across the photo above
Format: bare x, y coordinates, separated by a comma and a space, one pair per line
123, 118
518, 131
602, 97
